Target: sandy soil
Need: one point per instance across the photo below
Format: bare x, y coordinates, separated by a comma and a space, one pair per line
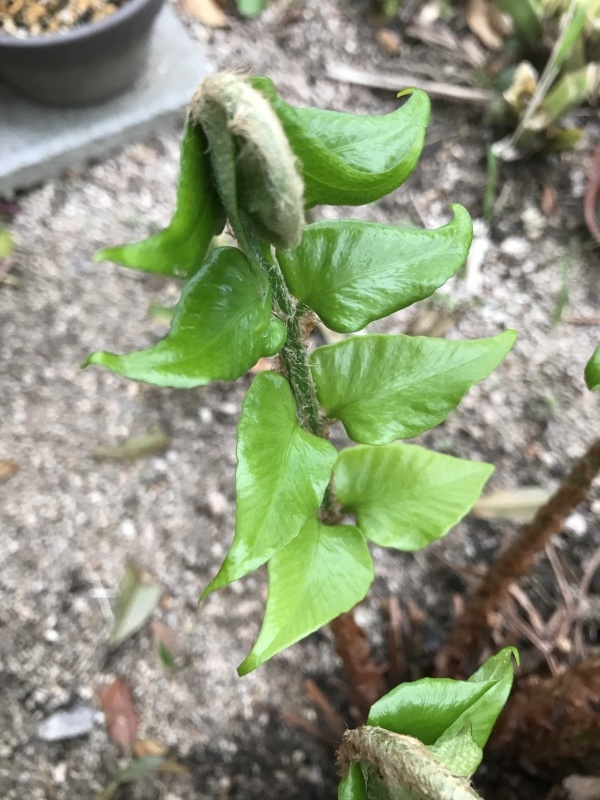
69, 523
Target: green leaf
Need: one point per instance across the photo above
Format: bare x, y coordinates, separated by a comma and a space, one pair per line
437, 710
592, 371
166, 656
352, 273
323, 572
281, 478
222, 325
395, 387
526, 18
458, 751
352, 786
179, 250
137, 599
405, 496
251, 8
352, 159
6, 243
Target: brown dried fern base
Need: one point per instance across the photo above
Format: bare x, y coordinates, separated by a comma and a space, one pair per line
553, 724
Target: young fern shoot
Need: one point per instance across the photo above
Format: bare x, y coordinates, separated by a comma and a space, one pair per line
253, 160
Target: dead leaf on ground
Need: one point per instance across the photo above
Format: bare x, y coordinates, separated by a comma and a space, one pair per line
487, 22
149, 747
149, 444
207, 12
8, 468
523, 87
138, 597
592, 197
549, 200
121, 718
8, 209
516, 505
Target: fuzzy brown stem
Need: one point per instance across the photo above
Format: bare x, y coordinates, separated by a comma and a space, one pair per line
469, 630
400, 767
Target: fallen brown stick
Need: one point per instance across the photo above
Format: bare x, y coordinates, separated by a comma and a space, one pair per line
469, 630
395, 82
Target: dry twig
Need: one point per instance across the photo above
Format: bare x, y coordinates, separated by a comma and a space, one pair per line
394, 82
469, 631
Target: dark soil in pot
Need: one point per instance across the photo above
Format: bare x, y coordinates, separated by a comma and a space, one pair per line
77, 52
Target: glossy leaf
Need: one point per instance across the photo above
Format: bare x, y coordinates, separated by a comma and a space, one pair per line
437, 710
281, 477
592, 371
352, 272
323, 572
395, 387
405, 496
222, 325
179, 250
352, 786
352, 159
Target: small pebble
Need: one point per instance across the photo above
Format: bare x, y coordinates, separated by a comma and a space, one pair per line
206, 415
217, 503
389, 41
229, 409
59, 772
515, 246
576, 524
67, 724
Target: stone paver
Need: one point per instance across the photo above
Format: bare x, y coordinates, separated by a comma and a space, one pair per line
38, 142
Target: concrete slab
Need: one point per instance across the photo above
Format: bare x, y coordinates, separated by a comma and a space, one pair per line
37, 142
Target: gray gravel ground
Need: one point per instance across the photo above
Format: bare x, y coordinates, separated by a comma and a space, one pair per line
69, 523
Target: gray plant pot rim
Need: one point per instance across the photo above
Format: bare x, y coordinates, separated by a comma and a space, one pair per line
125, 11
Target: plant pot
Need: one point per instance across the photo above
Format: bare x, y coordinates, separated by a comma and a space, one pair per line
84, 65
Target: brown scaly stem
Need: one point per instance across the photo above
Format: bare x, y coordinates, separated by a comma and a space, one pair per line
469, 630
